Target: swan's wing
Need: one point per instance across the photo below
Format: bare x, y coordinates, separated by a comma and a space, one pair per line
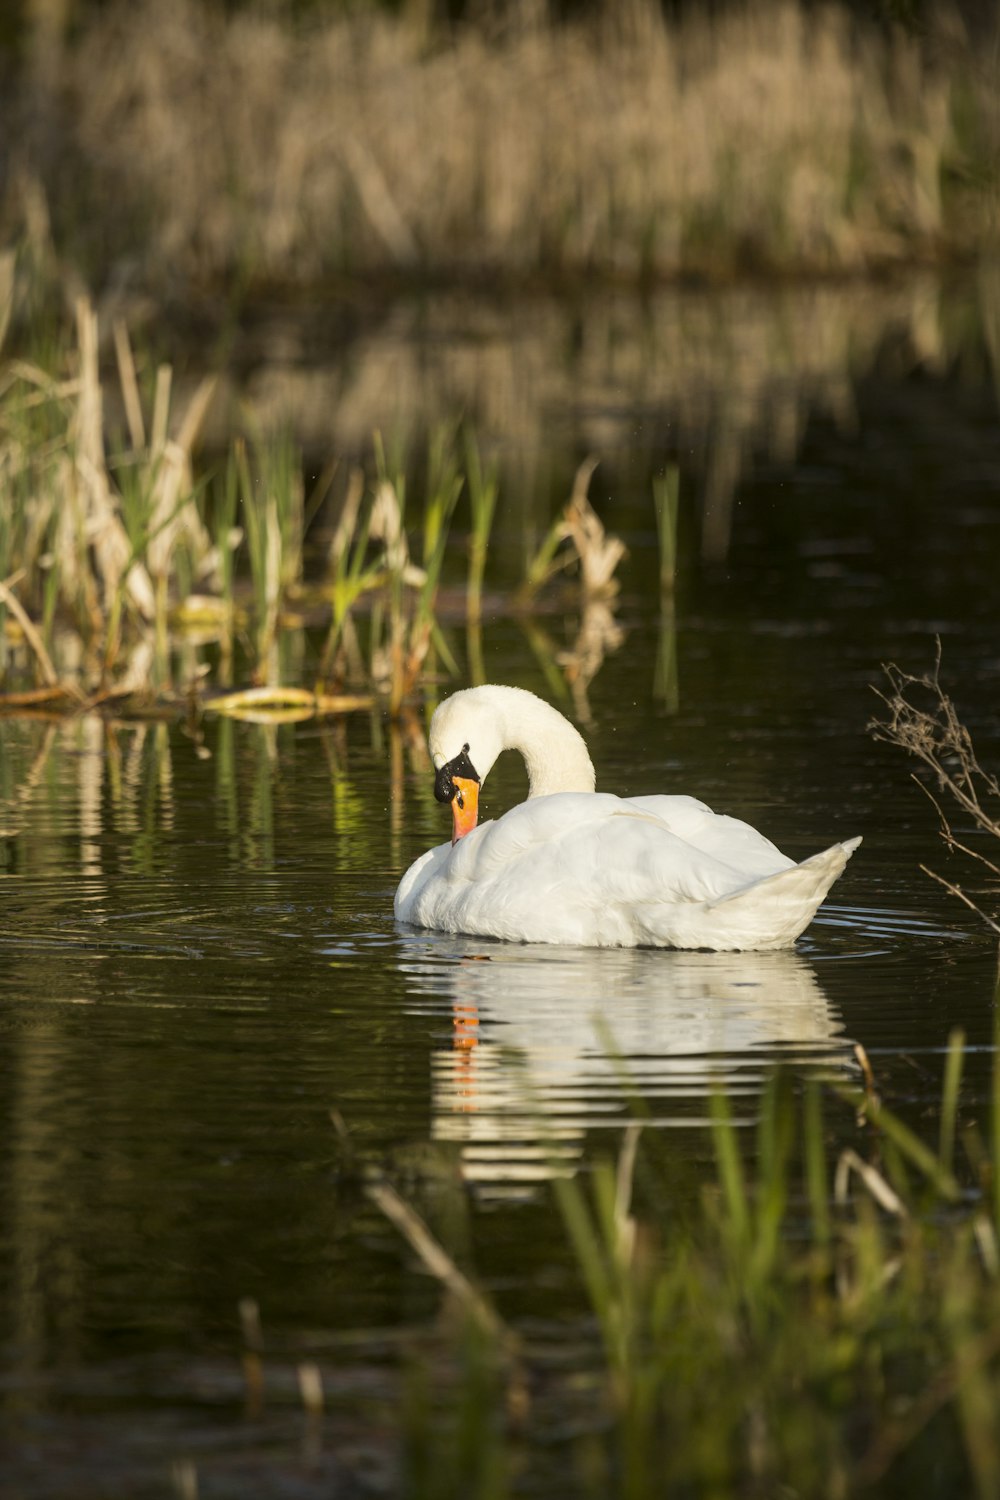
730, 840
573, 867
603, 871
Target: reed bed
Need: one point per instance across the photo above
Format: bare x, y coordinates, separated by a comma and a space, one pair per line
234, 149
127, 574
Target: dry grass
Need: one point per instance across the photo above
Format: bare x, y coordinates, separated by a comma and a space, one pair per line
125, 574
191, 145
98, 538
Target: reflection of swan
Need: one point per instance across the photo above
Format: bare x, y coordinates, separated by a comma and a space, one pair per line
528, 1069
574, 866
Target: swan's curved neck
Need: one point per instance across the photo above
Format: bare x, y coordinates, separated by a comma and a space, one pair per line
554, 752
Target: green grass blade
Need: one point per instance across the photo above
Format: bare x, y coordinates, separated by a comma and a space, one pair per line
666, 504
730, 1168
774, 1137
585, 1239
817, 1178
913, 1149
949, 1098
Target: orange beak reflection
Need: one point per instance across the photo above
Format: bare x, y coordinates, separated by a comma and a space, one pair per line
464, 807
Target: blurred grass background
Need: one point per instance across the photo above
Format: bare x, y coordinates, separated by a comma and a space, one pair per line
173, 170
186, 146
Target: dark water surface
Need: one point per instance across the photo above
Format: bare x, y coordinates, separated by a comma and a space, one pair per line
198, 962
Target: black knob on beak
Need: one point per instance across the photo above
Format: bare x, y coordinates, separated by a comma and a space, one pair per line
460, 766
444, 787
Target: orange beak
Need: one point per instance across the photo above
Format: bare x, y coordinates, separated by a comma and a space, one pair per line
464, 807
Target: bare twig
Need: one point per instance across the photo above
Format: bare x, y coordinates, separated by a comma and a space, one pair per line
947, 834
956, 890
849, 1161
923, 721
434, 1257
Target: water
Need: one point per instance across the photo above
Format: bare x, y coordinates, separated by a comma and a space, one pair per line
198, 963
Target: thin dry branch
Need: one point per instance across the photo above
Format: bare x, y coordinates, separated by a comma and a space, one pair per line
945, 830
922, 720
434, 1257
938, 738
956, 890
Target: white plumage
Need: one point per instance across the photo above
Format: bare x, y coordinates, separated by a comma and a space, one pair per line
571, 865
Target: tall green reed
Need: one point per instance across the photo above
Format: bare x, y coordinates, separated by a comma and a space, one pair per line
351, 573
666, 507
259, 508
824, 1323
444, 486
405, 624
484, 491
227, 534
388, 521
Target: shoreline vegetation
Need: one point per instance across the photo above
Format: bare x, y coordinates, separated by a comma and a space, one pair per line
836, 1317
127, 581
174, 148
166, 158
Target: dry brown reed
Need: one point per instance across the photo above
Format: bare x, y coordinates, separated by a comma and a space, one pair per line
120, 564
97, 539
238, 148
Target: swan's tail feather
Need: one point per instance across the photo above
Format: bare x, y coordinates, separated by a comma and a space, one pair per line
772, 912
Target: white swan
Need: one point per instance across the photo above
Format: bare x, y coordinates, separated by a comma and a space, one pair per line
571, 865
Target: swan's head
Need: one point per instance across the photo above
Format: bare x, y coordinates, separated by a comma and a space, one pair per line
469, 730
466, 737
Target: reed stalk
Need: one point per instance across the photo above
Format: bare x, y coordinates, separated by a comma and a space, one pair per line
227, 537
388, 522
955, 1058
444, 486
994, 1155
351, 574
666, 506
543, 564
817, 1180
262, 528
484, 490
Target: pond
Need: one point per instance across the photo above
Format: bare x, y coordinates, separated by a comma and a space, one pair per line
198, 964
